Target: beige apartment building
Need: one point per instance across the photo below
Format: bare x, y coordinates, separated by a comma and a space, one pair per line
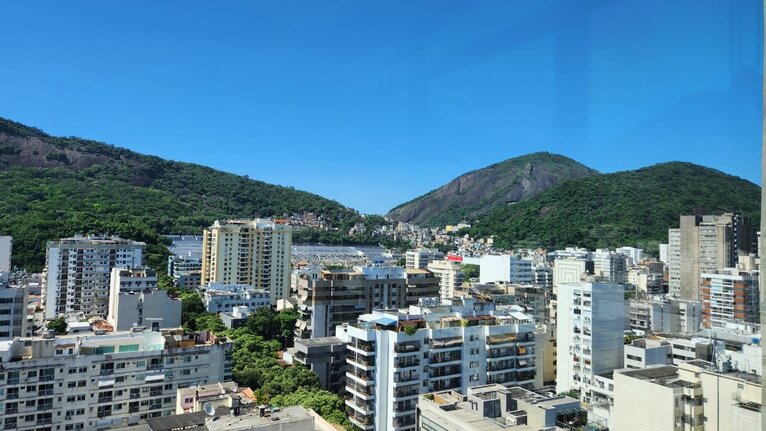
703, 244
691, 397
254, 252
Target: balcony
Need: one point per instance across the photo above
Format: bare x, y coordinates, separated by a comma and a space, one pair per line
407, 347
407, 391
408, 362
401, 379
446, 343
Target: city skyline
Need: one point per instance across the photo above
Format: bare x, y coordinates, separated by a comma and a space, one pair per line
410, 102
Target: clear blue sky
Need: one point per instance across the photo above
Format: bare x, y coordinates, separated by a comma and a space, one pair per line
374, 103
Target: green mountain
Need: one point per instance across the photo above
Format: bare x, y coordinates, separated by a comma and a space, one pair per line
624, 208
475, 193
52, 187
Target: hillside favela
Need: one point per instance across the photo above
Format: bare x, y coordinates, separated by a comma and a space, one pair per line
358, 216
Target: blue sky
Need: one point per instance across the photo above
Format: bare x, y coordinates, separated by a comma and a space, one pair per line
374, 103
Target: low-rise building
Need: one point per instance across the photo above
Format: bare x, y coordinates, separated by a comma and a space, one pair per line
236, 318
647, 352
497, 408
222, 298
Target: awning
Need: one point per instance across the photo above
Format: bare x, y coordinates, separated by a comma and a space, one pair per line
155, 377
104, 383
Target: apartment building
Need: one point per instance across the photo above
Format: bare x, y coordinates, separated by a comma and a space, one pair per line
647, 352
634, 255
570, 270
77, 275
330, 297
703, 244
326, 357
223, 298
668, 316
693, 396
13, 312
421, 257
590, 328
94, 382
393, 357
186, 270
729, 296
450, 276
505, 268
134, 300
610, 266
254, 252
6, 248
498, 408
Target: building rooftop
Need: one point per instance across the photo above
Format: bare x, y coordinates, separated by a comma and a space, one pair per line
323, 341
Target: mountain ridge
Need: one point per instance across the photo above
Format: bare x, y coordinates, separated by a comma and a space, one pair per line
479, 191
633, 207
40, 173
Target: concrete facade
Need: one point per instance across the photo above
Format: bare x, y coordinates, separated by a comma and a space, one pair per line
254, 252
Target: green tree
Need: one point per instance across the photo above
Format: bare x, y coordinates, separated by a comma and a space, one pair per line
58, 325
470, 270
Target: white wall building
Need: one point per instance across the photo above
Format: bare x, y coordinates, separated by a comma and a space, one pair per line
134, 300
102, 381
612, 266
6, 248
647, 352
590, 341
634, 255
222, 298
77, 274
568, 270
507, 268
421, 257
395, 357
450, 276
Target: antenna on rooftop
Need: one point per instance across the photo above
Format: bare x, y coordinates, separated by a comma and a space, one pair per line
209, 409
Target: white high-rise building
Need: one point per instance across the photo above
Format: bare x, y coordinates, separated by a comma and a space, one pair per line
254, 252
590, 337
634, 254
569, 270
507, 268
6, 248
91, 382
450, 276
394, 357
611, 266
664, 253
77, 273
421, 257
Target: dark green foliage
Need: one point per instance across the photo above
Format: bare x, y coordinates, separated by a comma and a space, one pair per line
632, 208
326, 404
57, 325
470, 270
113, 190
273, 326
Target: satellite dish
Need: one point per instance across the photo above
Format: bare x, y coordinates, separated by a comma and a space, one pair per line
209, 409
